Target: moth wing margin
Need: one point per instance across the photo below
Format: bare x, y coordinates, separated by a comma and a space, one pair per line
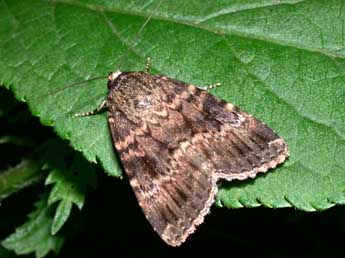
237, 144
173, 194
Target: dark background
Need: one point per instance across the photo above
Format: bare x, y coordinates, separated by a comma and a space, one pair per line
111, 223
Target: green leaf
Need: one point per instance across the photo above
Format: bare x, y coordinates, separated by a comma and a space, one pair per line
70, 180
282, 61
61, 215
25, 173
34, 235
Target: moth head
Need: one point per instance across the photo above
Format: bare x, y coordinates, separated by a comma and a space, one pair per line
112, 77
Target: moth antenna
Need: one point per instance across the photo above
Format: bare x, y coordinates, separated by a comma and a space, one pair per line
137, 35
73, 84
136, 38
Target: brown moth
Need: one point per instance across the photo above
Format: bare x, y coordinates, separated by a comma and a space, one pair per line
176, 141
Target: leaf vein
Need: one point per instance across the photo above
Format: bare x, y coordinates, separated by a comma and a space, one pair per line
248, 7
214, 30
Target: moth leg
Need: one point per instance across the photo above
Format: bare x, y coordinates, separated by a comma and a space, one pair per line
101, 106
210, 86
148, 65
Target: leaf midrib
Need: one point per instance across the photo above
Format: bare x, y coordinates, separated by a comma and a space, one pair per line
202, 26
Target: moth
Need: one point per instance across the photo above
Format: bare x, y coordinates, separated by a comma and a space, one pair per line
176, 140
